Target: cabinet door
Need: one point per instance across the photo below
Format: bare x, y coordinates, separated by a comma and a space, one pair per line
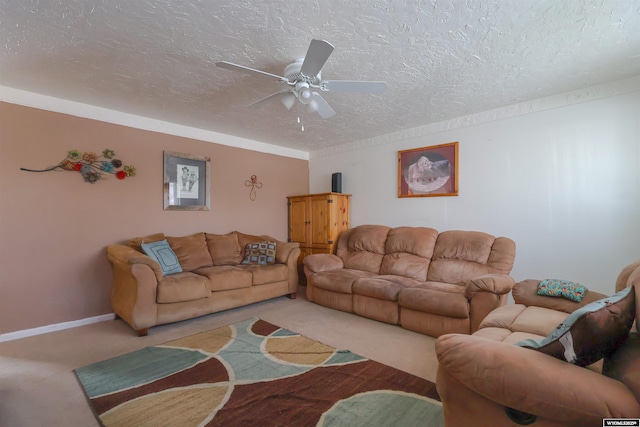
320, 216
298, 220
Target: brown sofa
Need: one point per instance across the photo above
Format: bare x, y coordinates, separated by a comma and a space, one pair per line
428, 282
485, 380
212, 278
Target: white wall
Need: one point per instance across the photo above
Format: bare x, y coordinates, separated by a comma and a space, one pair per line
560, 176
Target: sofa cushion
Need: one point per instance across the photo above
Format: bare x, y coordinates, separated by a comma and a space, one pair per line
408, 252
517, 322
339, 280
405, 264
403, 280
224, 249
162, 253
591, 332
369, 238
538, 320
265, 274
624, 364
181, 287
226, 277
378, 288
191, 250
245, 239
502, 256
418, 241
260, 253
136, 242
459, 256
562, 288
365, 248
365, 261
435, 301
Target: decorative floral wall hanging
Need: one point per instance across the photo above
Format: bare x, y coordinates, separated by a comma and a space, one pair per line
253, 183
91, 166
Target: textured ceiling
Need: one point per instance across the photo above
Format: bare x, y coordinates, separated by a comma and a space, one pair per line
441, 59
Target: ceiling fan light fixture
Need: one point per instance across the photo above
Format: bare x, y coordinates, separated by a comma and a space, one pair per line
313, 106
304, 92
288, 100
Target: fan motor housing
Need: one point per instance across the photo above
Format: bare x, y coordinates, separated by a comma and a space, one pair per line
293, 74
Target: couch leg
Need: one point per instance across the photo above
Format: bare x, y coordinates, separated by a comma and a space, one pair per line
143, 332
292, 295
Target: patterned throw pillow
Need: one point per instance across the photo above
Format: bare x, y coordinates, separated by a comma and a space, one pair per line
591, 332
260, 253
562, 288
162, 253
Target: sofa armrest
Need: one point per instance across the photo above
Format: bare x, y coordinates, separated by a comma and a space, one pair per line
323, 262
526, 292
134, 290
284, 251
129, 256
499, 284
485, 294
532, 382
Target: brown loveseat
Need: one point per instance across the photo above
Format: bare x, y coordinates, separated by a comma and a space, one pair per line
484, 380
212, 278
428, 282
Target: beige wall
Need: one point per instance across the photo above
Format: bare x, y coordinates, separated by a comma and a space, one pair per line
54, 227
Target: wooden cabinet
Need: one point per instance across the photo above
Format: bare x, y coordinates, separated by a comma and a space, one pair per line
316, 221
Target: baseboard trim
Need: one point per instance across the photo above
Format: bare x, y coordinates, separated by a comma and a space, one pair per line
56, 327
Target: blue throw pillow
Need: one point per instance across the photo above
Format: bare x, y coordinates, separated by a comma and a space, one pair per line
162, 253
591, 332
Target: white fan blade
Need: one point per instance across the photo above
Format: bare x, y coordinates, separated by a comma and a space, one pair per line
317, 55
354, 86
247, 70
269, 99
324, 110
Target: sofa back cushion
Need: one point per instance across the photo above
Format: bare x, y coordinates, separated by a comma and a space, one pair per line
224, 248
408, 252
136, 242
502, 256
460, 256
363, 247
192, 251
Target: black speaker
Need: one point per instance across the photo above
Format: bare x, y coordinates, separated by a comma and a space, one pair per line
336, 182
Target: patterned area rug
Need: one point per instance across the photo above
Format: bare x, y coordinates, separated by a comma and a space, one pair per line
254, 373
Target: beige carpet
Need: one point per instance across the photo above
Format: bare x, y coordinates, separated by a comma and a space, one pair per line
38, 387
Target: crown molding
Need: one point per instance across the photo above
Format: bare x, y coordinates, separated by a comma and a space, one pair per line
59, 105
592, 93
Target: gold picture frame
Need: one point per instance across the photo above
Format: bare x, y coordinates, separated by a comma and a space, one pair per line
186, 182
428, 171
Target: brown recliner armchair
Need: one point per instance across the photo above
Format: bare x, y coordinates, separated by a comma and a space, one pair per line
485, 380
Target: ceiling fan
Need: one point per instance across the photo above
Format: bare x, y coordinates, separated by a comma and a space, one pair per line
304, 81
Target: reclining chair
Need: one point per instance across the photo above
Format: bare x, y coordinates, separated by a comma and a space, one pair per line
485, 380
